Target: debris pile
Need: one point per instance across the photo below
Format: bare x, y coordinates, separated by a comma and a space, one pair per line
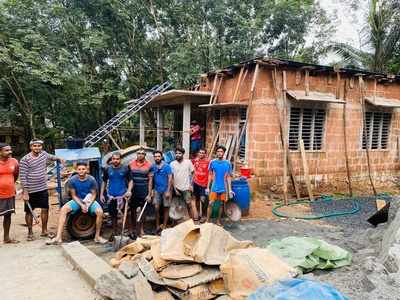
192, 262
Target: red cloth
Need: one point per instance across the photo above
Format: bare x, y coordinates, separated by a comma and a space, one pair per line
195, 132
201, 171
8, 171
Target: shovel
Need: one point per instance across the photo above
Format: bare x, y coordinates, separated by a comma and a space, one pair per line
121, 239
35, 218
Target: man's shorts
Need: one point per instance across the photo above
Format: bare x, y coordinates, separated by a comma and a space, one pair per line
198, 191
7, 206
75, 207
38, 200
113, 207
160, 198
136, 202
217, 196
185, 196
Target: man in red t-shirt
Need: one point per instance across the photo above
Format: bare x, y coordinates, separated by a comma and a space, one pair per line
8, 175
200, 178
195, 137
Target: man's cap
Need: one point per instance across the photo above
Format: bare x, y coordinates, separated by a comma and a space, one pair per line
36, 141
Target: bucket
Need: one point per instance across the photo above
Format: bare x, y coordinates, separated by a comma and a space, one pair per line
245, 172
242, 194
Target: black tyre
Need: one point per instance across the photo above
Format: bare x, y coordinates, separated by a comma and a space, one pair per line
81, 226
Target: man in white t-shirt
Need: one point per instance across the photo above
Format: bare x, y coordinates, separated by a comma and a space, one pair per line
182, 171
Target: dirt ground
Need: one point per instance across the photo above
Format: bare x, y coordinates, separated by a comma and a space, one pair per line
34, 271
49, 267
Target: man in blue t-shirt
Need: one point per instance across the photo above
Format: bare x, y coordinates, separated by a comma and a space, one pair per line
220, 181
83, 188
162, 178
117, 180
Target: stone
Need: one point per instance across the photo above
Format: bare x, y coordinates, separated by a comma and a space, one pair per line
115, 286
129, 268
368, 285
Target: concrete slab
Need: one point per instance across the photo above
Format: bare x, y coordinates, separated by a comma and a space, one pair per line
88, 264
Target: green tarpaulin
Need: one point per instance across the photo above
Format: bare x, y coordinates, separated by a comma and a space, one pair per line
308, 254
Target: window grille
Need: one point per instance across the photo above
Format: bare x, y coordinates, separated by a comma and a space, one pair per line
377, 127
307, 124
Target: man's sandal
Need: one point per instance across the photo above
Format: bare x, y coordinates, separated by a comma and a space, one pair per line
53, 241
30, 238
11, 241
101, 241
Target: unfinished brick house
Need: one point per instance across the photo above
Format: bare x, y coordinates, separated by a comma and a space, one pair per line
346, 121
319, 105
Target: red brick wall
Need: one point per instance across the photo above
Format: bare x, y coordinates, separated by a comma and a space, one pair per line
265, 155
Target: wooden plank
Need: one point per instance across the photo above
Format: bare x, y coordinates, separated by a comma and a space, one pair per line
283, 135
233, 147
228, 146
214, 142
186, 128
215, 98
237, 85
345, 138
214, 87
241, 84
362, 101
305, 169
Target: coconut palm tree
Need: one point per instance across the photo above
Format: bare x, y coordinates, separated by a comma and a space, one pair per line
382, 38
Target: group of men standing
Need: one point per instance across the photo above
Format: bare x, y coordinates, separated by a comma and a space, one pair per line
138, 184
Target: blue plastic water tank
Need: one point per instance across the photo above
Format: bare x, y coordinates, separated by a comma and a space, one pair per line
242, 194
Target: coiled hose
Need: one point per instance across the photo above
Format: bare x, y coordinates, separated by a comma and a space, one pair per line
355, 209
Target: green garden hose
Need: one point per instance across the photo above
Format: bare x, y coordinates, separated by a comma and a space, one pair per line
356, 208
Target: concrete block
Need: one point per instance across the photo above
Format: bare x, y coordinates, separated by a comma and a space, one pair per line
88, 264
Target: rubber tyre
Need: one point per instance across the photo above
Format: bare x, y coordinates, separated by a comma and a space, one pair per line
81, 226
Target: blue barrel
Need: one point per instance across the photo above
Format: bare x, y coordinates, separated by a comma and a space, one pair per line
169, 156
242, 194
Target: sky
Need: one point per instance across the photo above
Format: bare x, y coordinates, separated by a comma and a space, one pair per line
349, 22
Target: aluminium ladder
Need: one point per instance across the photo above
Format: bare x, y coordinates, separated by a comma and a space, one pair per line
125, 114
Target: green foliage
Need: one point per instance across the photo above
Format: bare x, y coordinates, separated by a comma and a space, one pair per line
73, 63
382, 37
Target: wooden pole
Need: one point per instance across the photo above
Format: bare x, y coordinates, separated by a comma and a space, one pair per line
362, 101
283, 135
238, 84
249, 107
307, 82
345, 137
214, 87
218, 89
337, 85
241, 84
285, 148
305, 168
114, 142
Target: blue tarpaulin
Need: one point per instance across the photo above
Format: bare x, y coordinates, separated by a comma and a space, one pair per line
78, 154
296, 289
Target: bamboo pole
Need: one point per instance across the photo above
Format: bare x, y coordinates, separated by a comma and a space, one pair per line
345, 138
362, 100
246, 72
214, 87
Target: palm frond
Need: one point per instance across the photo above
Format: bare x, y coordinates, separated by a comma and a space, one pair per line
351, 55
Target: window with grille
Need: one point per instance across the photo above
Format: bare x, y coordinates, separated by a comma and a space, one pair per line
307, 124
377, 127
242, 143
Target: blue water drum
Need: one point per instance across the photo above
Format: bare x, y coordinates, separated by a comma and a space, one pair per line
242, 194
169, 156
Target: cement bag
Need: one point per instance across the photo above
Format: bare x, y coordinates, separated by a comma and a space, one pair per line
157, 261
171, 242
297, 289
245, 270
210, 244
200, 292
